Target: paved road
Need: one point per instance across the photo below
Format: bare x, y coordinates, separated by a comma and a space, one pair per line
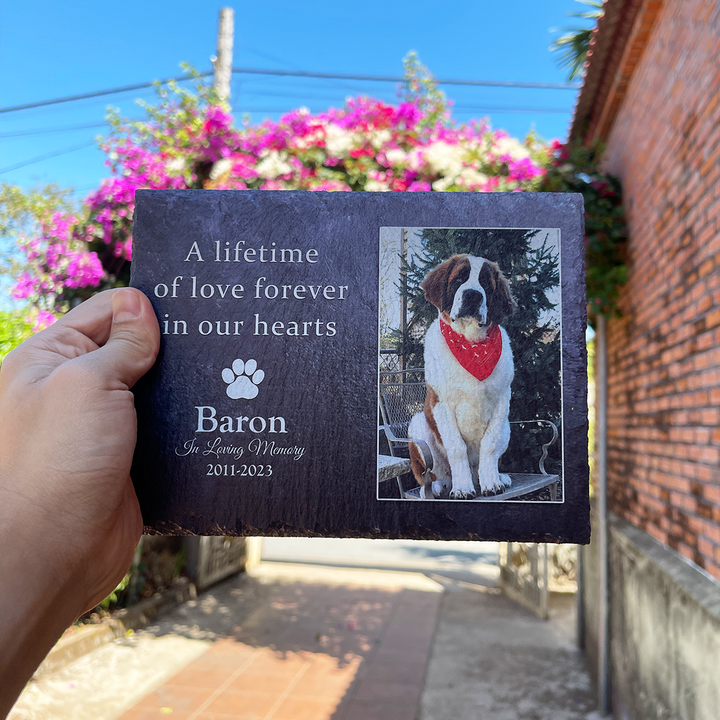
452, 558
337, 630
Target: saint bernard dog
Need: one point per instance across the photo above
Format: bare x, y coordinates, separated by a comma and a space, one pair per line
468, 372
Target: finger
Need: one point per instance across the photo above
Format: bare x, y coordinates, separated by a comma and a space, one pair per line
134, 339
79, 332
91, 318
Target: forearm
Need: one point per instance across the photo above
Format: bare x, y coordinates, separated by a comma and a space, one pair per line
36, 605
27, 634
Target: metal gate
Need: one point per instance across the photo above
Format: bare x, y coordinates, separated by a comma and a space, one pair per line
524, 575
210, 559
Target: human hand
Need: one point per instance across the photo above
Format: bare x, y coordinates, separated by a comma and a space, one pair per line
69, 517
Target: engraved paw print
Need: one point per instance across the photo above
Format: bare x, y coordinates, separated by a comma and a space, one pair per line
242, 379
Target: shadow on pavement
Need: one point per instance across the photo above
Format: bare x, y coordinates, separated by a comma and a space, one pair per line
369, 639
340, 621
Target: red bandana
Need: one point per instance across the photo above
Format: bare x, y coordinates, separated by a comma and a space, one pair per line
479, 358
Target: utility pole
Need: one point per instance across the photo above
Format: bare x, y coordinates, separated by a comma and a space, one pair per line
403, 294
223, 62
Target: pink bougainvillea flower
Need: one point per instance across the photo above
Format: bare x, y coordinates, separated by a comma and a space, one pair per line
188, 144
42, 320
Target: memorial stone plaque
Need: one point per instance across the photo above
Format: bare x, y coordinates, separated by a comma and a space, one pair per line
364, 365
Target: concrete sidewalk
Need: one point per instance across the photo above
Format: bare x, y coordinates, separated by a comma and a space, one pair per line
493, 660
312, 640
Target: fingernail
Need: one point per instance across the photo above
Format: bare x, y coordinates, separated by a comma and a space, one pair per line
126, 306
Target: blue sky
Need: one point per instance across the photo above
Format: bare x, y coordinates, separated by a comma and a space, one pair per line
51, 49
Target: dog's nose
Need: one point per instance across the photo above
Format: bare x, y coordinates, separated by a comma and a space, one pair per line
471, 302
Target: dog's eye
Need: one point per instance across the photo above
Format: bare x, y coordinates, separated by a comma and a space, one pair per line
486, 278
455, 284
461, 277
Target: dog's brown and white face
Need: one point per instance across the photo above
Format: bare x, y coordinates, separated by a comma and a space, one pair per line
471, 294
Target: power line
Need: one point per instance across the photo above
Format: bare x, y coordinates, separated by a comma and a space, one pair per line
67, 128
74, 148
299, 89
539, 110
394, 79
291, 66
50, 131
300, 96
329, 94
47, 156
100, 93
87, 105
290, 73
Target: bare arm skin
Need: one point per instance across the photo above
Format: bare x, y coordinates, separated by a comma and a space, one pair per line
69, 517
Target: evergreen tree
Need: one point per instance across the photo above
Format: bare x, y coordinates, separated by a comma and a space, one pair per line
534, 334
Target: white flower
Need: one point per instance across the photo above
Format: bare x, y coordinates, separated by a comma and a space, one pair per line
176, 165
510, 146
472, 178
443, 184
379, 138
376, 186
273, 165
396, 156
338, 141
414, 159
219, 168
445, 159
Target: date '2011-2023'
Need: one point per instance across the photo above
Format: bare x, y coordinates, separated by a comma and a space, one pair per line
239, 471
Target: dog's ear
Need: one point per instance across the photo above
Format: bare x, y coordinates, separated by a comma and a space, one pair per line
499, 298
436, 283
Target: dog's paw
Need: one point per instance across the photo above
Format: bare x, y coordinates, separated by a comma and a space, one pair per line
461, 481
441, 488
425, 493
494, 483
242, 379
457, 494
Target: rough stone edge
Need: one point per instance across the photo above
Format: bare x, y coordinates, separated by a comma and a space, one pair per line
691, 580
68, 649
564, 522
143, 613
80, 642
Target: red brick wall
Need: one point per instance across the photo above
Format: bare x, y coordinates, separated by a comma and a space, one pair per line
664, 354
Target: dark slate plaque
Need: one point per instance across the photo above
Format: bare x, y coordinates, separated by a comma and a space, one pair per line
283, 313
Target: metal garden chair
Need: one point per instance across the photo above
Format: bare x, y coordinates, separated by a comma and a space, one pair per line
402, 395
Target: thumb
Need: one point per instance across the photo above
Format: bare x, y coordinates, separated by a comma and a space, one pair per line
134, 340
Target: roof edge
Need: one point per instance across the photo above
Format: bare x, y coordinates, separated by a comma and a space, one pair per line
616, 48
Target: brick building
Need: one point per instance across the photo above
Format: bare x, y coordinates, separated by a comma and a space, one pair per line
652, 95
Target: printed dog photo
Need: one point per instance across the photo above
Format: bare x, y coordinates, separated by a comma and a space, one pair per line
469, 382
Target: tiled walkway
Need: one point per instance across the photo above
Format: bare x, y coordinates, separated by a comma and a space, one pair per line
300, 641
310, 652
